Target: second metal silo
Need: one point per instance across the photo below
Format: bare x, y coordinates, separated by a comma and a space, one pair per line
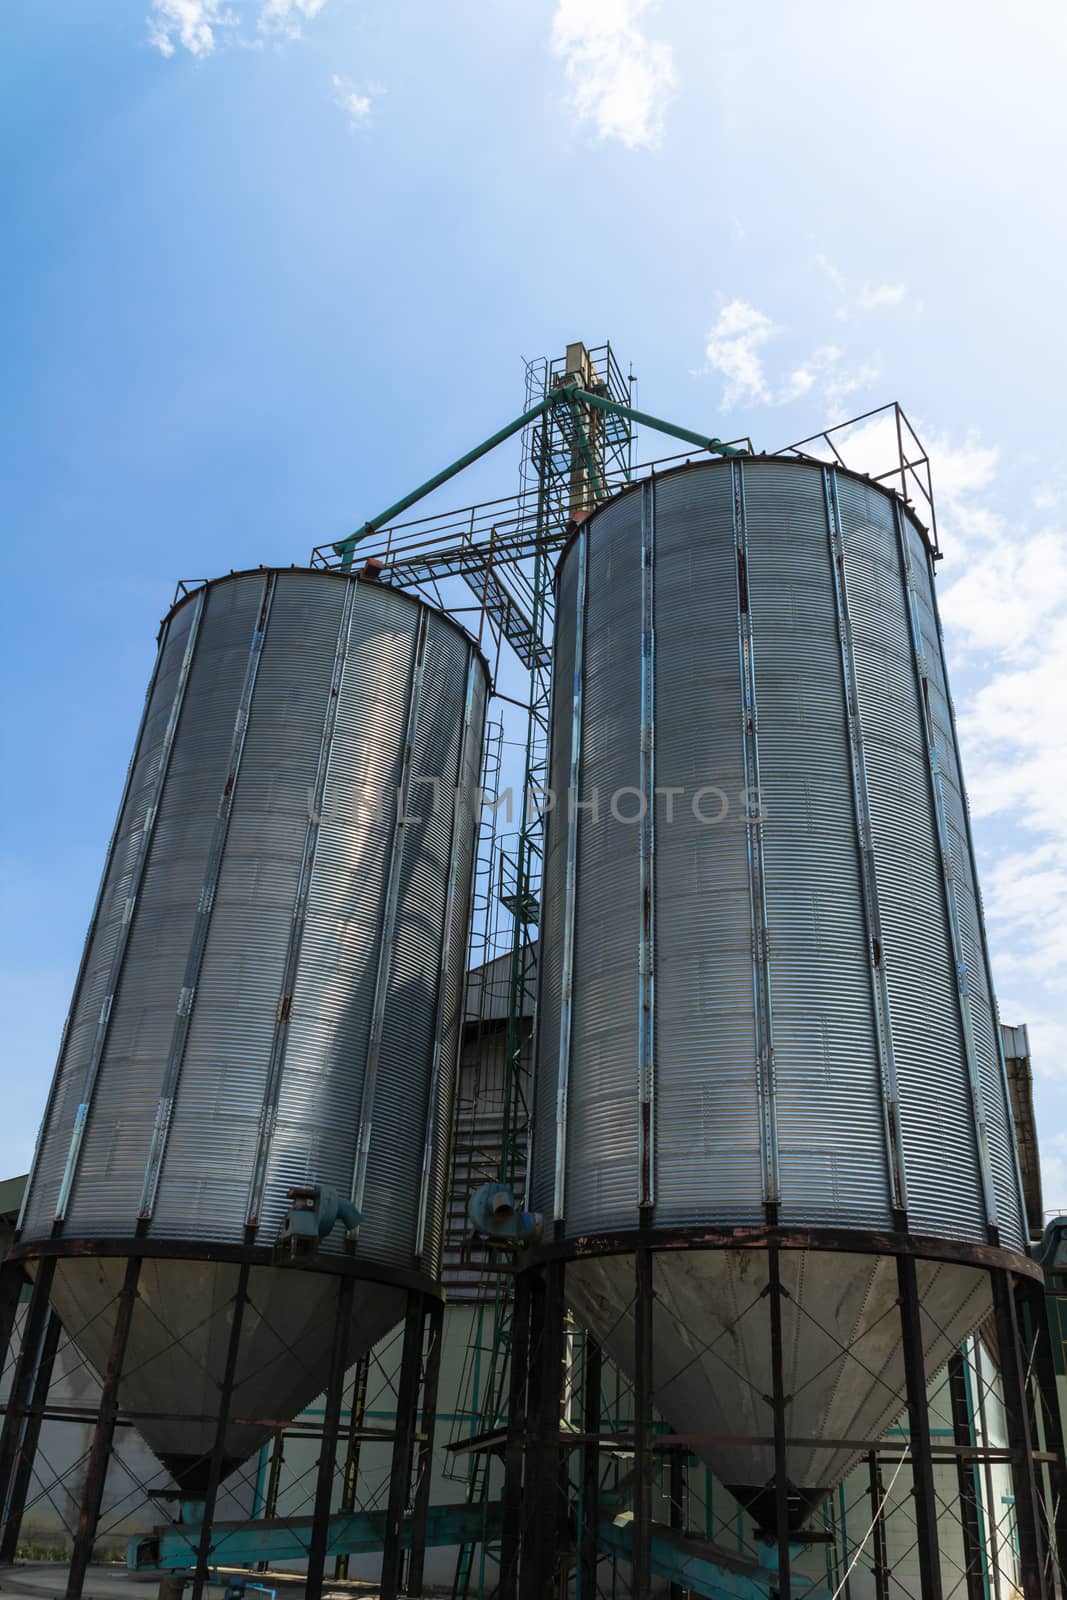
768, 1057
263, 1034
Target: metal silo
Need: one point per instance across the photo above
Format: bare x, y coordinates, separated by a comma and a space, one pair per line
768, 1058
268, 1002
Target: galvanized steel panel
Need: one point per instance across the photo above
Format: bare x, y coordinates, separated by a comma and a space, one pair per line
330, 693
829, 1067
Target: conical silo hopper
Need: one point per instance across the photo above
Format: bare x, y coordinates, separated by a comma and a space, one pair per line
268, 1002
767, 1039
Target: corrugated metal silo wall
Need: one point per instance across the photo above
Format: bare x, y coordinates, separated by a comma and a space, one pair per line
813, 1005
234, 982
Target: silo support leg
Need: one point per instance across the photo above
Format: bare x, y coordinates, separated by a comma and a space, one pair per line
644, 1290
880, 1569
103, 1433
540, 1545
407, 1401
532, 1582
218, 1449
967, 1487
919, 1430
519, 1357
1044, 1371
22, 1377
1013, 1371
592, 1372
779, 1402
677, 1507
431, 1371
331, 1427
26, 1453
12, 1280
350, 1479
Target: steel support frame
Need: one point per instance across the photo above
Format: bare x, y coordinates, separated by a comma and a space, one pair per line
104, 1433
27, 1407
416, 1408
966, 1479
592, 1379
215, 1468
26, 1452
879, 1545
350, 1475
22, 1377
925, 1496
542, 1502
1034, 1319
331, 1427
644, 1295
1014, 1376
537, 1451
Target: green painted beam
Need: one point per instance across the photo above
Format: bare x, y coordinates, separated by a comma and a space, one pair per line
699, 1566
241, 1544
345, 547
601, 403
568, 394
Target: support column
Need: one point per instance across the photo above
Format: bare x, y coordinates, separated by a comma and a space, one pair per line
644, 1290
779, 1402
1013, 1367
542, 1497
403, 1448
1039, 1335
26, 1452
677, 1460
12, 1282
331, 1427
431, 1372
963, 1438
274, 1483
880, 1570
511, 1517
25, 1365
218, 1448
919, 1431
592, 1373
350, 1477
103, 1433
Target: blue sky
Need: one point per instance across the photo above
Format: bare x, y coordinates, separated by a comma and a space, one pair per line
268, 263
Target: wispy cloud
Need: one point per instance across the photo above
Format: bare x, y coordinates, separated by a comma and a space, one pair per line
187, 24
872, 297
286, 17
1003, 600
355, 102
620, 81
826, 372
884, 294
735, 348
199, 26
1005, 611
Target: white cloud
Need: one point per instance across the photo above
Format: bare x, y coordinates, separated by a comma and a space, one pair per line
1004, 604
194, 25
351, 100
886, 294
619, 79
1053, 1170
733, 348
285, 16
872, 297
190, 24
1006, 592
1045, 498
